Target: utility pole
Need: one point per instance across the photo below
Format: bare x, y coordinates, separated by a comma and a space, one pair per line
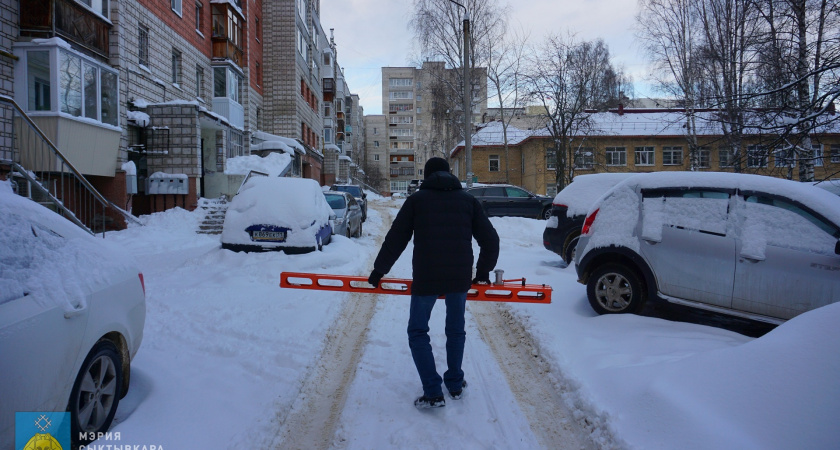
467, 100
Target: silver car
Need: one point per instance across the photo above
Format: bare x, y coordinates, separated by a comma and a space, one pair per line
348, 213
745, 245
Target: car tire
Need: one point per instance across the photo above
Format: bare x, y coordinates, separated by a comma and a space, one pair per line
569, 256
96, 392
546, 213
615, 289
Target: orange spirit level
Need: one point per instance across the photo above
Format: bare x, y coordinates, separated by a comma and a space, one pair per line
502, 291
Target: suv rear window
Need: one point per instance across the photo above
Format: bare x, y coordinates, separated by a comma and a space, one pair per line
355, 191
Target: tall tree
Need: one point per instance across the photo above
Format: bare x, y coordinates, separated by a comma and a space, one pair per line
566, 78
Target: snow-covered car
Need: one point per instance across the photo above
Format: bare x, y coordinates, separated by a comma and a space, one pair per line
278, 213
348, 214
72, 311
357, 192
751, 246
508, 200
569, 208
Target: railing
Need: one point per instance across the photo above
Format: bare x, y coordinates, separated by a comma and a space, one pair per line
67, 19
39, 171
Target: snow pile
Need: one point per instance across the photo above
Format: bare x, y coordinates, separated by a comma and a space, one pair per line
274, 164
140, 118
297, 204
584, 190
129, 168
43, 253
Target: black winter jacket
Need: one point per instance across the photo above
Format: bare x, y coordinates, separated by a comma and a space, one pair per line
443, 219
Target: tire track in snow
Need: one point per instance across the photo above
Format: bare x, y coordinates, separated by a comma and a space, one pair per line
311, 422
553, 422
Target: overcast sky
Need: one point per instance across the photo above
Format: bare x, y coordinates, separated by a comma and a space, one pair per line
371, 34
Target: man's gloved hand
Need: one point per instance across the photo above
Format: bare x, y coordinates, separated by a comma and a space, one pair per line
375, 277
481, 278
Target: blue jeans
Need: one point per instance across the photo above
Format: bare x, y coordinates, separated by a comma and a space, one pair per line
421, 349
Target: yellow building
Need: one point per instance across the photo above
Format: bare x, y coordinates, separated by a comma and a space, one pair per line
634, 141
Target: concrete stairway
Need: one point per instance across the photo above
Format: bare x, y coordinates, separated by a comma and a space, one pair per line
214, 217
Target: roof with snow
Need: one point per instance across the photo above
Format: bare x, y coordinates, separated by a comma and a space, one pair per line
270, 141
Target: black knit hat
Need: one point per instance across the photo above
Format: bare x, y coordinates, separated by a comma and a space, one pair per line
435, 165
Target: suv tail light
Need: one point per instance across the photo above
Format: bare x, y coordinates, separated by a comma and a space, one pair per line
587, 224
559, 205
142, 282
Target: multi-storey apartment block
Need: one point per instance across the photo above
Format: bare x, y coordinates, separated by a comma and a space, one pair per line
424, 111
376, 164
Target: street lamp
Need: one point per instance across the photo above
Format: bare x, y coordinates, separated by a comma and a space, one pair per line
467, 95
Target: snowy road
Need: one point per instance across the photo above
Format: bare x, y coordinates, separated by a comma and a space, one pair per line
231, 360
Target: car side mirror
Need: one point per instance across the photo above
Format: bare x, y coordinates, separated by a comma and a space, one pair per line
333, 216
364, 195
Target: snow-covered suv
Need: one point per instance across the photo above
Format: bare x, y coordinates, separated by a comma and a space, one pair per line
745, 245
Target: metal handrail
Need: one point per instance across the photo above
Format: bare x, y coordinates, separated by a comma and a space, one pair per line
33, 182
79, 176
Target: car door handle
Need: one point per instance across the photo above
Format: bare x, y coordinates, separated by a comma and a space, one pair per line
650, 241
752, 260
77, 311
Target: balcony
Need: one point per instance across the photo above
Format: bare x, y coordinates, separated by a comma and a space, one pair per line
231, 110
65, 19
225, 49
227, 33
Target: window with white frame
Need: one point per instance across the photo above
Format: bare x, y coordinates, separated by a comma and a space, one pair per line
100, 7
400, 82
302, 46
493, 163
199, 9
402, 119
645, 156
226, 83
551, 158
400, 107
301, 8
672, 155
402, 132
85, 88
817, 154
615, 156
176, 67
328, 132
419, 110
835, 153
199, 82
784, 157
400, 95
376, 157
704, 158
176, 6
726, 157
756, 156
585, 158
376, 143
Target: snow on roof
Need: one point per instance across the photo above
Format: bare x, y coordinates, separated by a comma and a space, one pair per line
57, 41
344, 157
274, 164
332, 147
277, 143
138, 117
493, 135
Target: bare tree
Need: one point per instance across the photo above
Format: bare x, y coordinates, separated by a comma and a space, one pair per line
567, 78
504, 70
672, 35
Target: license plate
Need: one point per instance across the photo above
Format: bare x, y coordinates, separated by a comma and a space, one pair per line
268, 235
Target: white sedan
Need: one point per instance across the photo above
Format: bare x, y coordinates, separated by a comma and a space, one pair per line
72, 311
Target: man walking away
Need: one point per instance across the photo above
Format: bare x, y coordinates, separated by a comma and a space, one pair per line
443, 219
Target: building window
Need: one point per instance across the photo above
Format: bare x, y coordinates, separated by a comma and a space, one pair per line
328, 135
645, 156
726, 157
376, 157
301, 44
817, 154
400, 82
257, 29
704, 158
672, 156
85, 88
301, 7
756, 156
784, 157
259, 74
400, 95
585, 158
494, 163
419, 110
402, 119
235, 144
419, 98
176, 67
616, 156
835, 153
402, 132
550, 159
198, 16
143, 46
376, 144
226, 83
176, 6
199, 82
38, 69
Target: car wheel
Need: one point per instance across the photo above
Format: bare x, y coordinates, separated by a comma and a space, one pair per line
615, 289
96, 392
546, 214
570, 250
